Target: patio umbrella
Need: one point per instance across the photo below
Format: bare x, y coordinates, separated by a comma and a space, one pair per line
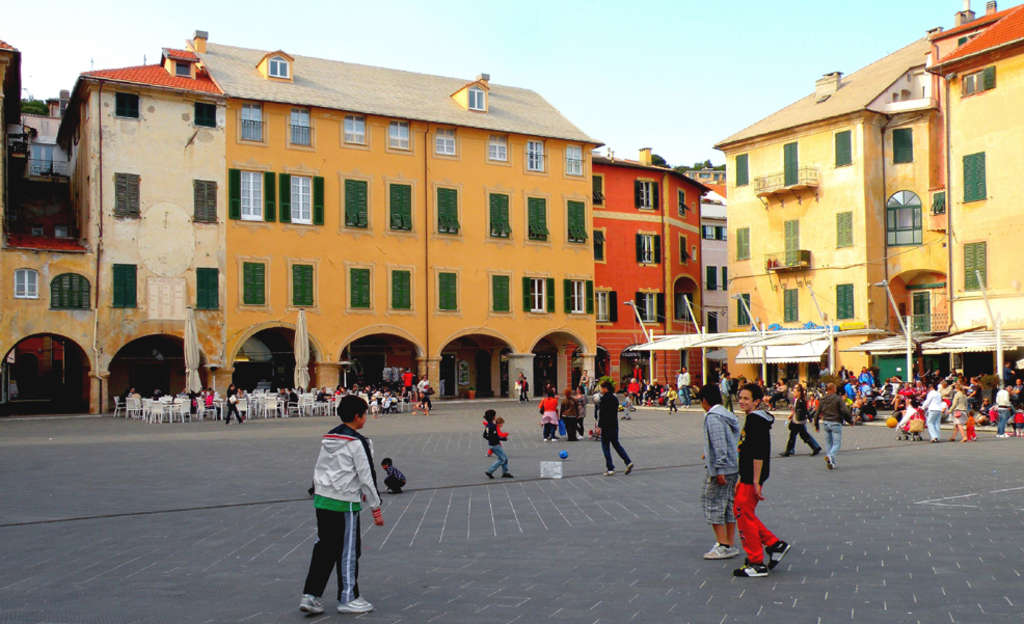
191, 353
301, 352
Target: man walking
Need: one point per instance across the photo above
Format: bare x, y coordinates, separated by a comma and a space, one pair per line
725, 387
934, 407
833, 410
608, 421
683, 386
721, 465
1004, 408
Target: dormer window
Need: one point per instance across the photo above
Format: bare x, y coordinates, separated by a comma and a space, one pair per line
277, 67
477, 99
183, 69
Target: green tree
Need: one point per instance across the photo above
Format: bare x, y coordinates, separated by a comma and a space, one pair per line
658, 160
34, 107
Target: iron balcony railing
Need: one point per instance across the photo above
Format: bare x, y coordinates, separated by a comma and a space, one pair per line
300, 135
803, 177
791, 260
252, 130
41, 167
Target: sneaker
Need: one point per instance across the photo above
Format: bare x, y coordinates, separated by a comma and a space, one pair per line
489, 475
750, 570
359, 605
507, 475
609, 473
828, 462
718, 552
732, 552
787, 454
776, 553
311, 604
815, 451
629, 468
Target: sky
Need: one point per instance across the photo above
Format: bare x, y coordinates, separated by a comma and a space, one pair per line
674, 76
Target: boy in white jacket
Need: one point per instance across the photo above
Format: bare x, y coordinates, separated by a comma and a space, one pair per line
343, 480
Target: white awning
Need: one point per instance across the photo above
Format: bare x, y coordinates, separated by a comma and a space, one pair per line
884, 346
720, 355
791, 338
784, 354
729, 339
669, 343
975, 341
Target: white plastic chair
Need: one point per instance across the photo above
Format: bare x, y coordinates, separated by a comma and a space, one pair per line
133, 408
119, 407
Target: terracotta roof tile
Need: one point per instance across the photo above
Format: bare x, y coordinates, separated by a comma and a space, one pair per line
6, 46
24, 241
718, 188
156, 75
183, 55
1009, 28
971, 25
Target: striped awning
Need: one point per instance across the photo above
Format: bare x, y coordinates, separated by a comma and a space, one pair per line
784, 354
975, 341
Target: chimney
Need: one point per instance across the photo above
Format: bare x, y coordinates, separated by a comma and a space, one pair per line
199, 41
827, 85
53, 107
484, 78
965, 16
65, 97
645, 155
990, 7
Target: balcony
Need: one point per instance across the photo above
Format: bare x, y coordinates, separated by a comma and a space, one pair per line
794, 260
806, 178
45, 168
252, 130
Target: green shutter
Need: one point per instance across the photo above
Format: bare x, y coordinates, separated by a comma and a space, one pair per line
577, 222
401, 207
725, 278
975, 261
656, 195
359, 288
590, 297
284, 182
844, 301
448, 295
302, 285
743, 244
791, 304
537, 222
254, 283
742, 170
844, 229
355, 204
567, 295
318, 200
613, 306
401, 290
550, 287
499, 293
742, 318
207, 291
657, 248
125, 279
599, 245
974, 177
499, 216
791, 164
792, 242
903, 145
844, 148
447, 211
939, 203
269, 197
234, 194
598, 187
988, 78
711, 277
527, 299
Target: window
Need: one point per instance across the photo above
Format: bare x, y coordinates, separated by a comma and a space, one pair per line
844, 301
499, 227
477, 99
921, 303
497, 148
742, 308
707, 232
401, 290
844, 149
302, 285
277, 67
647, 306
939, 203
603, 306
844, 229
711, 326
974, 177
576, 296
500, 298
902, 145
400, 197
252, 122
254, 283
711, 277
537, 294
743, 244
792, 234
447, 211
204, 199
183, 69
725, 278
648, 248
398, 135
26, 284
903, 219
252, 195
444, 142
69, 291
301, 200
598, 184
683, 304
573, 160
537, 218
126, 195
720, 232
126, 105
645, 194
681, 202
207, 293
975, 262
978, 81
205, 114
742, 171
534, 156
791, 305
577, 222
359, 288
355, 129
299, 126
684, 255
599, 245
448, 295
791, 163
356, 204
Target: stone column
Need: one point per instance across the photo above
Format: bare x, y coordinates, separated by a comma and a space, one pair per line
98, 392
327, 374
519, 363
222, 379
430, 367
562, 360
590, 364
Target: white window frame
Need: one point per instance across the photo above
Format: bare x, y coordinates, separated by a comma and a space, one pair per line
538, 293
444, 141
578, 297
647, 195
398, 135
601, 301
650, 314
573, 160
251, 195
26, 284
476, 93
497, 148
252, 112
179, 65
647, 248
278, 62
302, 200
300, 118
355, 129
535, 155
705, 230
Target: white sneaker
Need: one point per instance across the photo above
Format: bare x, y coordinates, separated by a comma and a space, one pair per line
359, 605
733, 551
609, 473
719, 552
311, 604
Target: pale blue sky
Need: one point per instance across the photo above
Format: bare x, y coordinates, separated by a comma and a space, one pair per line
676, 76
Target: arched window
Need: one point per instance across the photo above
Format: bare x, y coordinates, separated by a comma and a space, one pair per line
69, 291
903, 219
278, 67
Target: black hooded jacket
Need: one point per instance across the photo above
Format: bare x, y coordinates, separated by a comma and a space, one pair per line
756, 443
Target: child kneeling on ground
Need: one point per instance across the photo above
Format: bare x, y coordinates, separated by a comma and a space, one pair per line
395, 480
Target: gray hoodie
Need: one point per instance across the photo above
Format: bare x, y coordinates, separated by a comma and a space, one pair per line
721, 440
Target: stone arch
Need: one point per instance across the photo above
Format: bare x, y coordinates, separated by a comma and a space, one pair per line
381, 328
49, 373
554, 332
485, 331
255, 329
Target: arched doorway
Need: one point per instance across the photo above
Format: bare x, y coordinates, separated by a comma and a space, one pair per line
685, 294
45, 374
602, 363
554, 362
378, 359
633, 364
474, 363
267, 360
149, 364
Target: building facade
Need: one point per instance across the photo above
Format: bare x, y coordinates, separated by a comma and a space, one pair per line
714, 261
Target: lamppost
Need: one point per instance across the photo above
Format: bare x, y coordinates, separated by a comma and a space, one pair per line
905, 326
753, 323
647, 336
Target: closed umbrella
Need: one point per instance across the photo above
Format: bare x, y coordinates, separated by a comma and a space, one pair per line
191, 353
301, 352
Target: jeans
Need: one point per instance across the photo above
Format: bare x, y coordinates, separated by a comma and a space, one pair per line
684, 393
833, 438
550, 431
1004, 416
800, 429
933, 418
502, 460
571, 427
610, 437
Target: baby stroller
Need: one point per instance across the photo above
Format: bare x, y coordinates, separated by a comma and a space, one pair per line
913, 428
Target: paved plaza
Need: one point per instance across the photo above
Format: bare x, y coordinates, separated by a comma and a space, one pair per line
113, 521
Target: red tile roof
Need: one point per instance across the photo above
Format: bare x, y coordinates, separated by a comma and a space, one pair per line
24, 241
6, 46
718, 188
156, 75
978, 21
1009, 28
183, 55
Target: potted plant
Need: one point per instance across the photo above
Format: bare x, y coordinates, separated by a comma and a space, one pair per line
471, 392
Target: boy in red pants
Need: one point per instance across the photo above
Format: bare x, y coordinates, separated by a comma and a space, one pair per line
755, 454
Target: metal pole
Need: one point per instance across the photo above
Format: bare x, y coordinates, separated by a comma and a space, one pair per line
910, 351
828, 328
764, 358
702, 330
649, 337
997, 322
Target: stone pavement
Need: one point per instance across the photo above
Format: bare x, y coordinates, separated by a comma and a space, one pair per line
113, 521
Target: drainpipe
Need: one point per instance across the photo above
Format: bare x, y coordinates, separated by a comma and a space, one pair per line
885, 217
949, 209
426, 260
99, 248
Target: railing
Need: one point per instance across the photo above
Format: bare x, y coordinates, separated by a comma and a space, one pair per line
806, 177
41, 167
300, 135
792, 260
574, 166
252, 130
598, 197
921, 323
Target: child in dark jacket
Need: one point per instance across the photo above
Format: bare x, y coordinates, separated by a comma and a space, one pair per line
394, 480
498, 422
494, 442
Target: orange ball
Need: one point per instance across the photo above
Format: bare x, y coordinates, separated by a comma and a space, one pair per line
891, 422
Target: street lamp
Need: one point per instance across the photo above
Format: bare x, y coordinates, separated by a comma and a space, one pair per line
648, 336
905, 326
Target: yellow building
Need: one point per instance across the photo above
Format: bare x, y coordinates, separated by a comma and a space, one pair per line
422, 222
836, 192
